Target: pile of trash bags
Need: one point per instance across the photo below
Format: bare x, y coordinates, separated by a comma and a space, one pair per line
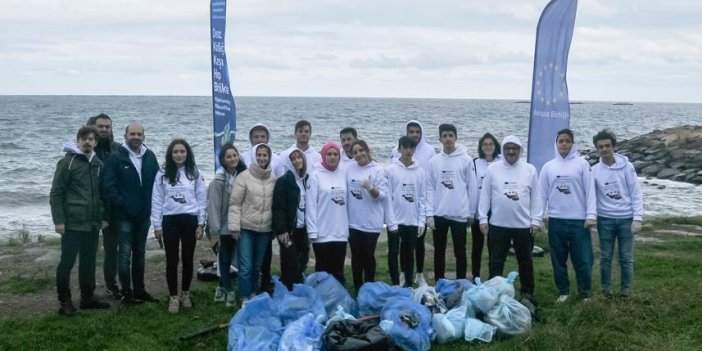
321, 315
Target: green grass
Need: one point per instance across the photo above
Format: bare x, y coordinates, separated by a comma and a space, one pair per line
26, 285
663, 314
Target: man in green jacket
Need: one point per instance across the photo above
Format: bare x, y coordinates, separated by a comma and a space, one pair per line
77, 213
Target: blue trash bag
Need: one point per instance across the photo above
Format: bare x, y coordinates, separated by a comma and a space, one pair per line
474, 329
449, 327
255, 326
301, 300
509, 316
373, 296
332, 292
407, 324
446, 287
482, 297
304, 334
504, 286
340, 315
279, 289
427, 296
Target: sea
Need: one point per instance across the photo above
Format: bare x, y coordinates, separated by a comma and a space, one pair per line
34, 129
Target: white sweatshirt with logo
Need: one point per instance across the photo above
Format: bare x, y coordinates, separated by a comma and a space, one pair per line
452, 190
326, 206
365, 212
618, 191
568, 187
407, 191
185, 197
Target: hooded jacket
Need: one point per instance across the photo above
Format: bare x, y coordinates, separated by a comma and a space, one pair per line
313, 158
218, 194
252, 198
422, 154
618, 191
277, 168
127, 188
452, 190
289, 198
326, 202
187, 196
568, 187
75, 191
511, 191
407, 190
366, 213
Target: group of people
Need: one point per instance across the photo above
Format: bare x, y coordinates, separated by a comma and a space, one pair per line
328, 199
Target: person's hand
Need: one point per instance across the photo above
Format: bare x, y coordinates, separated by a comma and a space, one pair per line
367, 184
484, 227
198, 232
236, 235
590, 223
60, 229
284, 239
104, 225
158, 233
430, 222
635, 227
420, 231
534, 229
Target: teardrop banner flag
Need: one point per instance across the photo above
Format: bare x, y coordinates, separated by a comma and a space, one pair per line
223, 107
550, 107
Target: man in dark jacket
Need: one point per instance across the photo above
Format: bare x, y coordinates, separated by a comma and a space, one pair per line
105, 146
127, 186
77, 213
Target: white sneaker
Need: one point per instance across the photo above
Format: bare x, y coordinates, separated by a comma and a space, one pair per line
220, 295
231, 299
420, 280
562, 299
174, 305
402, 279
185, 299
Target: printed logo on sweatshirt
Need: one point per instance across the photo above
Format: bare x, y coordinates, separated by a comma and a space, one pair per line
357, 194
563, 184
408, 191
511, 190
612, 190
447, 179
337, 195
179, 198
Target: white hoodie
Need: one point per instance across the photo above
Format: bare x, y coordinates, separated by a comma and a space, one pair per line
313, 157
452, 190
325, 213
408, 192
422, 154
185, 197
366, 213
568, 187
512, 192
300, 181
618, 191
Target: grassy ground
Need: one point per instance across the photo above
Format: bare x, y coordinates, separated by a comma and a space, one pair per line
663, 314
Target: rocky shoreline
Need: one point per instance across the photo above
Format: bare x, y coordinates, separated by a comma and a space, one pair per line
674, 153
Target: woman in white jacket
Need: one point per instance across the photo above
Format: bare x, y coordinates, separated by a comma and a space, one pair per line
178, 213
326, 216
488, 153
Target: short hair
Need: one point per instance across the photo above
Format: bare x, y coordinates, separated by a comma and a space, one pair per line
566, 131
93, 120
406, 142
258, 128
485, 136
85, 131
604, 134
126, 129
302, 123
413, 124
347, 130
446, 127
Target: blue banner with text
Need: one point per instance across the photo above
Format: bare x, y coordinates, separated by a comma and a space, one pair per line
223, 107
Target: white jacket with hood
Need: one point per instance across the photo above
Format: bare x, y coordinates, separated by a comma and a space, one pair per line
366, 213
408, 193
277, 167
512, 192
452, 190
250, 205
422, 154
568, 187
618, 191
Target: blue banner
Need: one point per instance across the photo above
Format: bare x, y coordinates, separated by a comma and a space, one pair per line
550, 108
223, 107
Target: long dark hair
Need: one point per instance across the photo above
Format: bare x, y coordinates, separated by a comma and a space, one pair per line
171, 169
497, 151
240, 167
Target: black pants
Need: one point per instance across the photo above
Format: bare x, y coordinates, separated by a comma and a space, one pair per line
330, 258
419, 253
499, 241
74, 244
110, 239
403, 242
179, 229
476, 252
458, 235
363, 264
266, 277
293, 259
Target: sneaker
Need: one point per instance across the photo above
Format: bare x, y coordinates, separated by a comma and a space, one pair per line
185, 299
220, 295
174, 305
608, 295
93, 303
113, 293
67, 309
402, 279
231, 299
128, 300
144, 296
420, 280
562, 299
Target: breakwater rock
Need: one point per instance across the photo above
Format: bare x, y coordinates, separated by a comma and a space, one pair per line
674, 153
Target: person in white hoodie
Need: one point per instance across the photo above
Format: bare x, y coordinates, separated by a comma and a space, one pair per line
568, 191
423, 153
510, 190
367, 189
303, 134
326, 215
346, 137
178, 214
452, 200
407, 192
619, 211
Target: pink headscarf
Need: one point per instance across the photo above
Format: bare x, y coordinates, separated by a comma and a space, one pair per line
325, 149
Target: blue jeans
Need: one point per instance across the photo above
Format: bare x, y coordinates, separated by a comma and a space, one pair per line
570, 237
132, 248
252, 248
611, 230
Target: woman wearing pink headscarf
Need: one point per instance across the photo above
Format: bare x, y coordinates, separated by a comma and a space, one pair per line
325, 213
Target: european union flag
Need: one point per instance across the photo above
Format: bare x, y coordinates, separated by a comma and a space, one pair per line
550, 109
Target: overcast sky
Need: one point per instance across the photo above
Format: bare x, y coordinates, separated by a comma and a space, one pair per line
622, 50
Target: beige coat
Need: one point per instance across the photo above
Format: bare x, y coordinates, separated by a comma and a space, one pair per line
251, 200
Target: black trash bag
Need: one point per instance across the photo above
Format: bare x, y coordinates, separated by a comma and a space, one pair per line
348, 334
207, 271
